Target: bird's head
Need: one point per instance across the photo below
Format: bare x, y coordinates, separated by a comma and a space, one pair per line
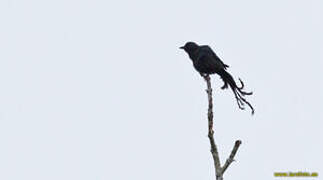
190, 47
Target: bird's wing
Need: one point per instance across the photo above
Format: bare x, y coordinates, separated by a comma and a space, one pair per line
208, 63
207, 49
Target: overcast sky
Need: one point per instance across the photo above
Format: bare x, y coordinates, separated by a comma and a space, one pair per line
98, 90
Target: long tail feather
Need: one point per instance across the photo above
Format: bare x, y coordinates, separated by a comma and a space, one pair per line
237, 91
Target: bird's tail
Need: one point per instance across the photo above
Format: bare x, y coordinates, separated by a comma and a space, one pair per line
237, 91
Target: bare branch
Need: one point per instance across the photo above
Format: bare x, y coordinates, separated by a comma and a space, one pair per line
214, 150
231, 157
219, 171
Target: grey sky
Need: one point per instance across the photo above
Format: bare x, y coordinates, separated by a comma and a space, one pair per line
99, 89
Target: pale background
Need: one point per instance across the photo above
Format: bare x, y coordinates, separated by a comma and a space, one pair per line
99, 89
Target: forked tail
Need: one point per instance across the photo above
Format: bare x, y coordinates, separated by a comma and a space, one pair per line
237, 91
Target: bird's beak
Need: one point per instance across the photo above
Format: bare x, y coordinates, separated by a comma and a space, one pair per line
181, 47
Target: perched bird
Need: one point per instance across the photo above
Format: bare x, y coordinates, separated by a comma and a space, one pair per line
205, 61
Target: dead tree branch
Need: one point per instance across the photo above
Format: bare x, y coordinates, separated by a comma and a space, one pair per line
219, 171
230, 159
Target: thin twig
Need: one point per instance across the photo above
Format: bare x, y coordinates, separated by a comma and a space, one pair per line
231, 157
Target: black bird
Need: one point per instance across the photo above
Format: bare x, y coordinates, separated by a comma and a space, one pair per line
205, 61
